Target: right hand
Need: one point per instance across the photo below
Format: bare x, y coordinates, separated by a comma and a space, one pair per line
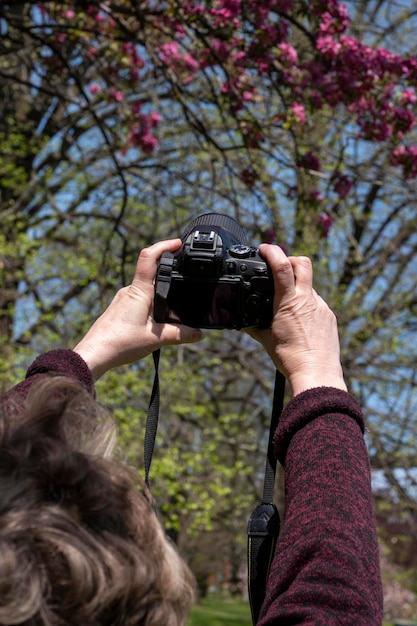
127, 331
303, 340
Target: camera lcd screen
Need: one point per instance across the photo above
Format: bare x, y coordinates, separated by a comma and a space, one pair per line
205, 304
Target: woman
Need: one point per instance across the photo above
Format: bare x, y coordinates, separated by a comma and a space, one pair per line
80, 542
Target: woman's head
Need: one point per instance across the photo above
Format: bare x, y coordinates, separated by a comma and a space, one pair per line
79, 540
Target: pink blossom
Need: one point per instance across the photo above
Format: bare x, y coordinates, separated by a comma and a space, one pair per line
141, 137
298, 112
218, 50
335, 20
325, 223
406, 157
185, 65
190, 63
408, 96
328, 45
117, 95
238, 58
223, 17
310, 161
288, 53
398, 154
148, 143
404, 121
69, 14
342, 185
154, 118
169, 50
94, 89
315, 197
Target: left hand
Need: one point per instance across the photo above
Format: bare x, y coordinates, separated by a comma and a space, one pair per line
126, 331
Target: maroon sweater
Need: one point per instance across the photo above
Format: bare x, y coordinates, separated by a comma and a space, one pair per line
326, 566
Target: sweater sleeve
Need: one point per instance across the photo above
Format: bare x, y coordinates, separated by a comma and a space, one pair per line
325, 569
63, 362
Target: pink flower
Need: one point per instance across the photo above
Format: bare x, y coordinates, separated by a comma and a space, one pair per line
406, 157
247, 96
335, 20
154, 118
408, 96
404, 120
288, 53
185, 65
310, 161
325, 223
190, 63
398, 155
148, 142
342, 185
315, 197
94, 89
116, 95
328, 45
298, 112
169, 51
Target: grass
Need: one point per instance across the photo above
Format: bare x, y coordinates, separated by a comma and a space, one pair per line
215, 611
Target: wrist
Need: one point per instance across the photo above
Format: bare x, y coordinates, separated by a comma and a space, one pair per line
96, 363
302, 381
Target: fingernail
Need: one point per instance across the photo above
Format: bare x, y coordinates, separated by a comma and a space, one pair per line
197, 335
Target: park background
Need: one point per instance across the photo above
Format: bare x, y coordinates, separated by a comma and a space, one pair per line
120, 122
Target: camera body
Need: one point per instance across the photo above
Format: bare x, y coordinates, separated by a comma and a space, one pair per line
215, 280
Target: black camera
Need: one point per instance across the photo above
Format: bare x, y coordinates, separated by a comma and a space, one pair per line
215, 280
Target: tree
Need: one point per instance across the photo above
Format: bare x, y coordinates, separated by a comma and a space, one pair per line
123, 120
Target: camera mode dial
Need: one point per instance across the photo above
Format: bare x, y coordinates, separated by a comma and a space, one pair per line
240, 251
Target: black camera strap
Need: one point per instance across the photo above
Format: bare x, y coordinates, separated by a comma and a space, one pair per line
152, 419
162, 285
264, 523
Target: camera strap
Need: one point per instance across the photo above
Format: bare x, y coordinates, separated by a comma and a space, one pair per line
152, 419
264, 523
162, 285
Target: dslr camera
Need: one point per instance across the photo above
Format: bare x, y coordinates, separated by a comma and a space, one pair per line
215, 280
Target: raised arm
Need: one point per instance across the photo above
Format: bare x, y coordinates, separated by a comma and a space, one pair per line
326, 566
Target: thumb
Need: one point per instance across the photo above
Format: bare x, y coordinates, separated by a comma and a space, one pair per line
179, 333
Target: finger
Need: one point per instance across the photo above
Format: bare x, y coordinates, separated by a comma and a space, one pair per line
147, 264
281, 267
303, 272
171, 334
